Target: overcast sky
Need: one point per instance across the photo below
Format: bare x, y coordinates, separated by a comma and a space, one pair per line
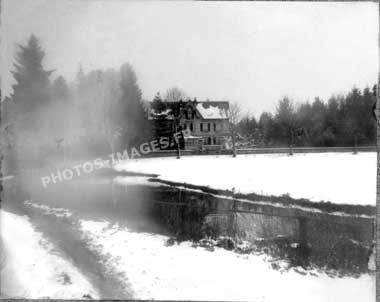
251, 53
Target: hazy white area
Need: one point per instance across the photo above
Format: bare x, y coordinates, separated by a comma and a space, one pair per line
341, 178
152, 270
250, 52
32, 267
182, 272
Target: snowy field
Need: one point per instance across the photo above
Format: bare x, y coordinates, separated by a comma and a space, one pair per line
32, 269
341, 178
182, 272
152, 270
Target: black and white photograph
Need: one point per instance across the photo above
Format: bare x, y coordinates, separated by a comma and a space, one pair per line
189, 150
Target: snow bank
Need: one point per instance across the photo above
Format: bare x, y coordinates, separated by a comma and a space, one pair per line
32, 270
132, 180
341, 178
58, 212
181, 272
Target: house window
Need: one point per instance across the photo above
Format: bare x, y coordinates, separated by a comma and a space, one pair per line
208, 127
214, 127
201, 127
191, 127
189, 113
209, 141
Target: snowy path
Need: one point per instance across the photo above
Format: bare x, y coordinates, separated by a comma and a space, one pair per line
153, 270
181, 272
59, 226
341, 178
32, 267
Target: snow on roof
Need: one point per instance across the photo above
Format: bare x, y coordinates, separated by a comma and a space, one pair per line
213, 110
166, 113
207, 110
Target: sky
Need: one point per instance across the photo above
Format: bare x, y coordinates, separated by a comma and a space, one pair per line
252, 53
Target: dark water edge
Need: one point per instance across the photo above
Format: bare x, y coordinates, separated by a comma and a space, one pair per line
333, 244
339, 244
326, 206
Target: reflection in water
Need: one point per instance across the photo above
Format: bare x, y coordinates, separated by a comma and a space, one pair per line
143, 206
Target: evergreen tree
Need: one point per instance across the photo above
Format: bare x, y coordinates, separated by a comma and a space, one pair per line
285, 122
247, 126
60, 89
31, 100
132, 117
32, 89
157, 104
266, 128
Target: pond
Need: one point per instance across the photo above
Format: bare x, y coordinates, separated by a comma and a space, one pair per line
326, 242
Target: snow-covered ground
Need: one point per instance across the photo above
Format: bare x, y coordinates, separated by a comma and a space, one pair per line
341, 178
32, 269
182, 272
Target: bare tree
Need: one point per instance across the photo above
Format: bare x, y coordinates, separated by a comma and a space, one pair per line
175, 94
286, 119
234, 112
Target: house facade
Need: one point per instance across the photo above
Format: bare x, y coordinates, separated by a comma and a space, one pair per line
206, 123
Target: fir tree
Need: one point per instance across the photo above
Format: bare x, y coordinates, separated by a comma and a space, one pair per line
133, 117
32, 88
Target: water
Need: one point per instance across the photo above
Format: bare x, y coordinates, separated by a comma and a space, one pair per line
143, 206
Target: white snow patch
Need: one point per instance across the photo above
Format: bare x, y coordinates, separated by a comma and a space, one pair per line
134, 180
211, 112
181, 272
166, 113
341, 178
59, 212
32, 270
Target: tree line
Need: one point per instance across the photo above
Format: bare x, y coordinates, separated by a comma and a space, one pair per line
101, 111
344, 120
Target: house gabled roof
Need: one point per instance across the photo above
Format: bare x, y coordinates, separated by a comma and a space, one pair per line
213, 110
208, 110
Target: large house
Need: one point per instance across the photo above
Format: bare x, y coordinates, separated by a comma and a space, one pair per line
207, 123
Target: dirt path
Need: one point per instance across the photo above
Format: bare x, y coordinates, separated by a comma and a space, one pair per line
66, 237
64, 234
